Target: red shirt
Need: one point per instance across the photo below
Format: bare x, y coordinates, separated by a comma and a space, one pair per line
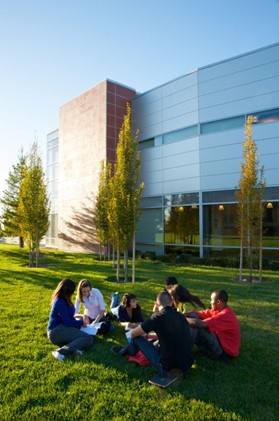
225, 324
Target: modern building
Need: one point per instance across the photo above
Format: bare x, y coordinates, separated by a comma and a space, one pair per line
191, 140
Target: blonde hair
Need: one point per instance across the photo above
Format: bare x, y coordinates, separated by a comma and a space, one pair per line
84, 283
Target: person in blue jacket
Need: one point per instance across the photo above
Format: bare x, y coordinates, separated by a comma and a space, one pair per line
63, 329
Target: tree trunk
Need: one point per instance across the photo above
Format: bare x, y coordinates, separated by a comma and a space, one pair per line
241, 259
113, 257
261, 244
126, 266
21, 242
118, 265
134, 259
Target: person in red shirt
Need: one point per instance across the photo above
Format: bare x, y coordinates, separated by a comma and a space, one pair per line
216, 331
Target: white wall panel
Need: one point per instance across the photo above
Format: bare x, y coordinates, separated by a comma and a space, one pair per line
221, 167
180, 109
217, 182
239, 63
150, 131
237, 93
257, 102
272, 177
152, 189
221, 152
184, 172
241, 78
228, 137
182, 185
271, 160
180, 122
179, 161
179, 84
181, 147
180, 96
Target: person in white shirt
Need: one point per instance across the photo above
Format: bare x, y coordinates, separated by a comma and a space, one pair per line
92, 300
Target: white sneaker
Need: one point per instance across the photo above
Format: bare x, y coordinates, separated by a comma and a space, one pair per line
58, 356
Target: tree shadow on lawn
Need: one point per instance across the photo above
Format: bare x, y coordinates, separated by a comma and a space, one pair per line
37, 279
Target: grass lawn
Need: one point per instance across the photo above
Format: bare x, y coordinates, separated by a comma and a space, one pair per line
102, 386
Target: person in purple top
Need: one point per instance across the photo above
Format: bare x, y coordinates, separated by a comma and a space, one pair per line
63, 329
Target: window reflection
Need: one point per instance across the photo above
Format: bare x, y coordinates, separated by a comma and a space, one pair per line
182, 225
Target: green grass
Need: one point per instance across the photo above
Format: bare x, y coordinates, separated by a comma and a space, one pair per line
103, 386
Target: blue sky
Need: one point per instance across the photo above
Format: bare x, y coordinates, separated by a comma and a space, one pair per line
53, 50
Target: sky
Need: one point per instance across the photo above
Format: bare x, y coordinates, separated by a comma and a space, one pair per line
53, 50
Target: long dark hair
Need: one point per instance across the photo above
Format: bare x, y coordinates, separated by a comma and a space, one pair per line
182, 295
64, 290
136, 312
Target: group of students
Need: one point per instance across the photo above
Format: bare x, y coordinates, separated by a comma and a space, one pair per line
215, 331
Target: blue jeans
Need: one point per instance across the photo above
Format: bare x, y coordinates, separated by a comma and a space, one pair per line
151, 352
208, 343
115, 300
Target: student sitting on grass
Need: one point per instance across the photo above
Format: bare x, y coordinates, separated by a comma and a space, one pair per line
216, 331
182, 296
171, 327
63, 329
94, 306
128, 312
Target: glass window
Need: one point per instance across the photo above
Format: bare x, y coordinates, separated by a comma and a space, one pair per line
179, 135
222, 125
221, 196
181, 199
182, 225
53, 136
150, 226
144, 144
219, 225
148, 202
268, 116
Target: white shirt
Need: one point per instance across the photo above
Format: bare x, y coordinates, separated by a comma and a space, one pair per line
92, 305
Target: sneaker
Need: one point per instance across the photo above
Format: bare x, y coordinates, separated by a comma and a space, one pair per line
117, 349
58, 356
78, 353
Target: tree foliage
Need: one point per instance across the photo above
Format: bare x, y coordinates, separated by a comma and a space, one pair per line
34, 207
125, 190
250, 199
10, 200
102, 205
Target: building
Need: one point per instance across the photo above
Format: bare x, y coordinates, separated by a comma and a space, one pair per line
191, 141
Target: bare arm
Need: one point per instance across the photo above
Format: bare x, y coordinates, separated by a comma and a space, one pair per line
99, 317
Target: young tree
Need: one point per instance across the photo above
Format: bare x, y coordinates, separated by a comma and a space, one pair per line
34, 204
125, 192
101, 208
250, 200
10, 199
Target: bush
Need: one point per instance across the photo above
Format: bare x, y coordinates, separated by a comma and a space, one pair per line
167, 258
274, 265
149, 255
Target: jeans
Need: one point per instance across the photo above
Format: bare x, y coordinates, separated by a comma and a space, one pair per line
207, 342
69, 338
115, 300
151, 352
